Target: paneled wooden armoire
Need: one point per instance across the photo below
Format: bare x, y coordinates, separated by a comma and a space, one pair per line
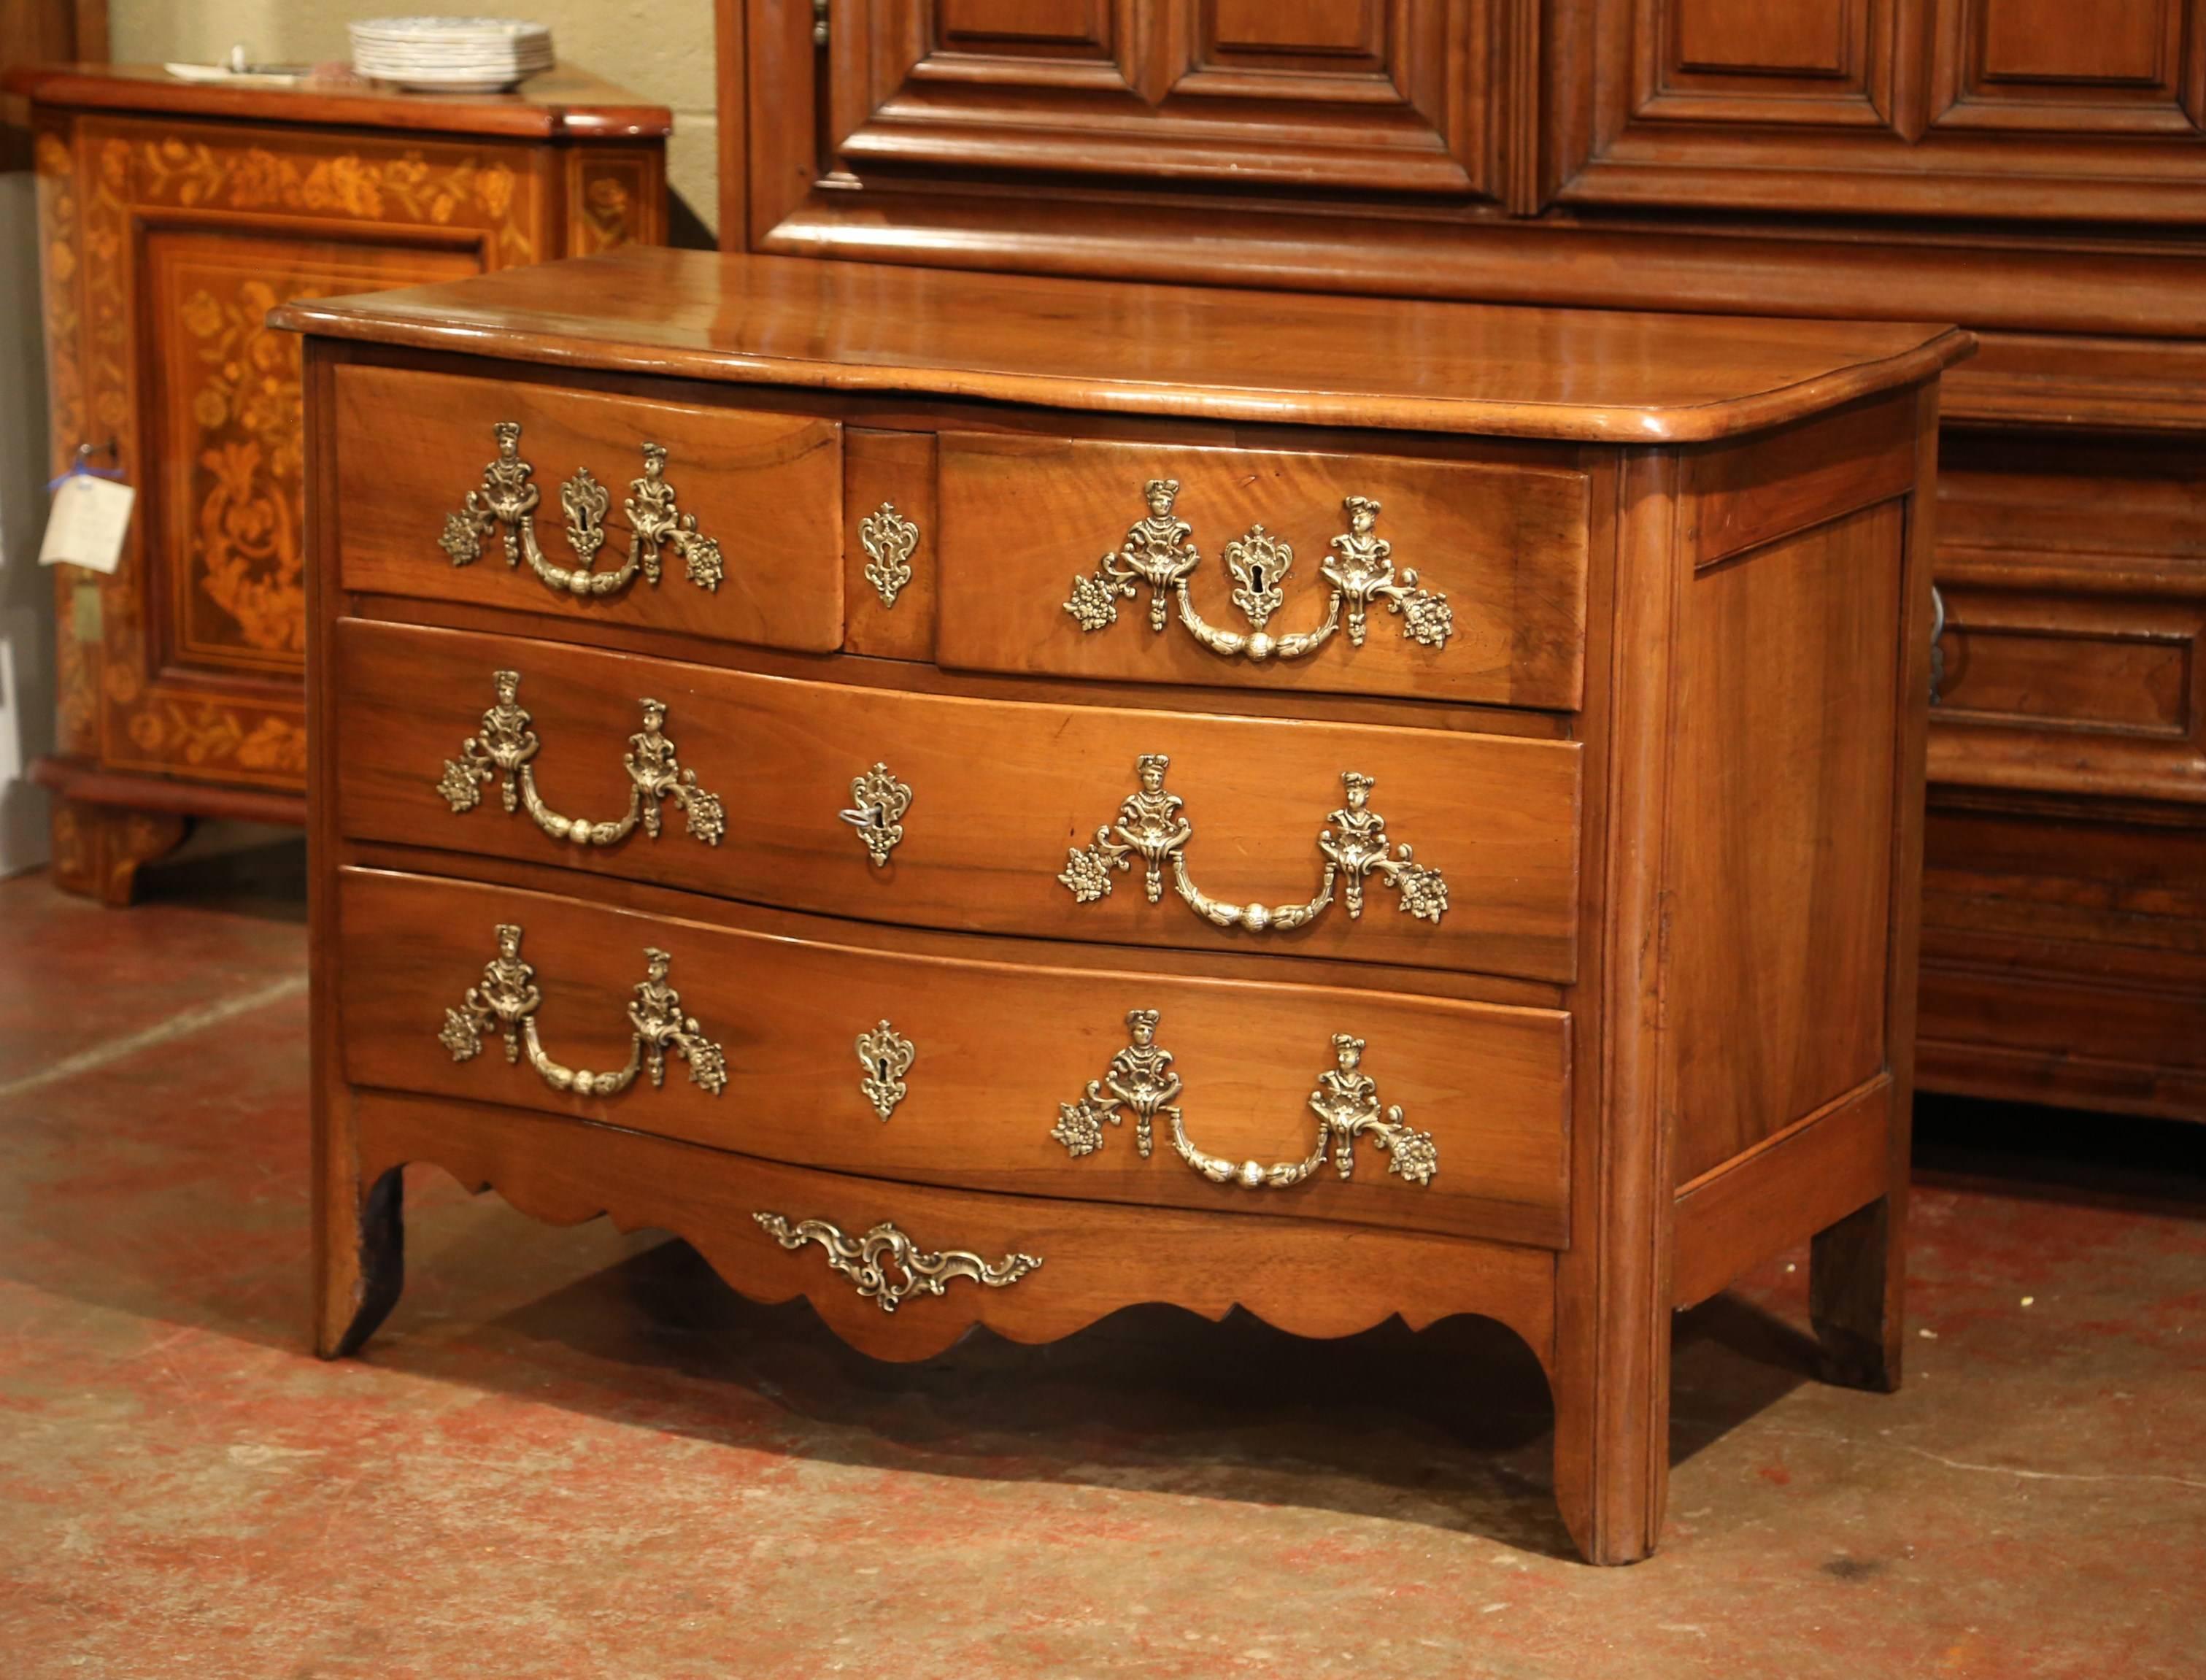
2033, 169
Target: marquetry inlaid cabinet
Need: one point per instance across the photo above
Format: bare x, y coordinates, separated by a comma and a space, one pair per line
176, 214
988, 799
2035, 169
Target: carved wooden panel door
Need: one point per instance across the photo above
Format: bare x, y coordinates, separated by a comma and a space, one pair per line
2025, 108
1405, 101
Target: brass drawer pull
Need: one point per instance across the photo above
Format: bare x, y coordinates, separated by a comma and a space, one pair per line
507, 743
1159, 551
1139, 1081
507, 997
1354, 845
507, 502
865, 1259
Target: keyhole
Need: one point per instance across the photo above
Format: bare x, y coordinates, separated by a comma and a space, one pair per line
881, 1069
1256, 579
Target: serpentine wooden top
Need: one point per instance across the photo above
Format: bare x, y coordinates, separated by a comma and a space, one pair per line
1590, 375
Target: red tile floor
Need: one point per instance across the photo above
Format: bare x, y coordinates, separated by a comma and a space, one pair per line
575, 1453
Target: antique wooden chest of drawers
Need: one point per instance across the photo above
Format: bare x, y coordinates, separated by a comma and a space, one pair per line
984, 800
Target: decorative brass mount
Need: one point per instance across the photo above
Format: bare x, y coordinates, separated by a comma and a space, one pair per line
877, 804
888, 539
507, 501
507, 743
1159, 551
887, 1056
865, 1259
507, 997
1139, 1081
1354, 845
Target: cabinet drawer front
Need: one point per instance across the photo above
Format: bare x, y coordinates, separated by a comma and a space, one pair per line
2070, 693
1024, 520
764, 1056
1002, 802
747, 505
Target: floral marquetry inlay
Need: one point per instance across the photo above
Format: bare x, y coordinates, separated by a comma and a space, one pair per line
165, 242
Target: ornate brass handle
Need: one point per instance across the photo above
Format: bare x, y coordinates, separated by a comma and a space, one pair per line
1354, 845
507, 997
1139, 1081
1160, 551
507, 502
507, 743
865, 1259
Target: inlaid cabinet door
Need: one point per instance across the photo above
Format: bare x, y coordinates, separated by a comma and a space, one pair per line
177, 240
224, 492
1356, 97
2070, 109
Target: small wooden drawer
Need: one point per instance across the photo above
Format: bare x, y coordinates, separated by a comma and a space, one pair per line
2069, 691
742, 509
971, 815
979, 1071
1265, 539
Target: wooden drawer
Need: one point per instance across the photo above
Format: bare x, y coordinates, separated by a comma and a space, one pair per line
1003, 795
1024, 520
764, 489
993, 1092
2071, 692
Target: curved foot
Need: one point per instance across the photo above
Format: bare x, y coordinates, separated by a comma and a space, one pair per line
99, 848
363, 1267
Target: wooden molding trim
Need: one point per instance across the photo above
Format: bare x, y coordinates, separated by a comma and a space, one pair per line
80, 780
1809, 1176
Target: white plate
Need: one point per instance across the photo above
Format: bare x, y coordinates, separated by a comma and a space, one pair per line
491, 85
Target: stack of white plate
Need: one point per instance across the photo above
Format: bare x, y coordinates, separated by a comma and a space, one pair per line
450, 55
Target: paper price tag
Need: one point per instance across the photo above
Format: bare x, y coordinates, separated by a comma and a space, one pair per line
87, 523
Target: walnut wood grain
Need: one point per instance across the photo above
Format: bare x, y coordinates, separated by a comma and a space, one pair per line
1815, 1172
1738, 497
1001, 791
1785, 801
1021, 517
1195, 351
1298, 1274
1001, 1042
766, 486
678, 904
894, 469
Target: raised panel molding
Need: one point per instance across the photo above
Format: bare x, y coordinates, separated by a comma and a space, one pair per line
1397, 96
2084, 66
2034, 109
1821, 63
1073, 27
